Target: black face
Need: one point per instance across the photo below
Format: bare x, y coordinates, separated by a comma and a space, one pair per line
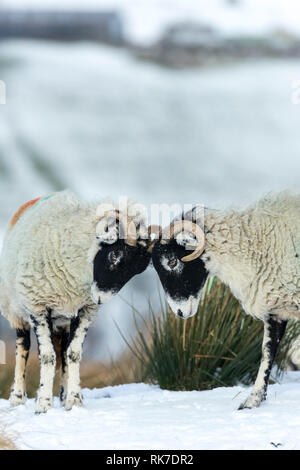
114, 266
182, 281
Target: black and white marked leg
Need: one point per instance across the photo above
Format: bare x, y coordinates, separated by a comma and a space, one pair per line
18, 391
78, 329
64, 366
43, 329
273, 333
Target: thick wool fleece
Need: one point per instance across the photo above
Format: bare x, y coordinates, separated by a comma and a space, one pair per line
47, 256
256, 252
44, 259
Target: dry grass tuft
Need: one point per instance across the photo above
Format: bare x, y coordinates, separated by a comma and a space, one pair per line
220, 346
93, 374
6, 440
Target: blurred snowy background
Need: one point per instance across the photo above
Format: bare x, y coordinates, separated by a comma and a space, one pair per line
169, 101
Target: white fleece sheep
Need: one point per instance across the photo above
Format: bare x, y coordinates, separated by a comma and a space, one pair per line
256, 252
46, 275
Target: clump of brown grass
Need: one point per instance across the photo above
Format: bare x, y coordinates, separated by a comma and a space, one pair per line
6, 439
93, 374
7, 373
122, 371
220, 346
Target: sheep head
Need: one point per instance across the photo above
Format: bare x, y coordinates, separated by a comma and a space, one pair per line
120, 251
182, 275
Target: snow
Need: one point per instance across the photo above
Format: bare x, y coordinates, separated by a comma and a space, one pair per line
141, 416
145, 20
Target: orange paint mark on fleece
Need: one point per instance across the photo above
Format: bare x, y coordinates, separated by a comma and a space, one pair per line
21, 211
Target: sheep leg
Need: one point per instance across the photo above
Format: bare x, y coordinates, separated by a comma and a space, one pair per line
78, 329
273, 333
64, 367
18, 391
43, 329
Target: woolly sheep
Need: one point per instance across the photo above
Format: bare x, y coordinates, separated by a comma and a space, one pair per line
254, 251
61, 259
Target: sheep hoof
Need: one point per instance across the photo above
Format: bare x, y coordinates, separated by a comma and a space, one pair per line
62, 396
63, 400
73, 399
17, 398
253, 401
43, 405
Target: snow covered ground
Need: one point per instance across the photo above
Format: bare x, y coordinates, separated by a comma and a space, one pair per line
140, 416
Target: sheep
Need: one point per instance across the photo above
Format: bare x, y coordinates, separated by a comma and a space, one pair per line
255, 251
61, 259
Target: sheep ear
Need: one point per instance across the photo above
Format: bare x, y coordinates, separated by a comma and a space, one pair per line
107, 231
186, 239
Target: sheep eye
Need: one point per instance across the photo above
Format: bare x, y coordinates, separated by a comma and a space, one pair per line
172, 263
112, 257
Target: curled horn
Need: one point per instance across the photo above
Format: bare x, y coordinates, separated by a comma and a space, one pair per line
157, 231
128, 226
188, 226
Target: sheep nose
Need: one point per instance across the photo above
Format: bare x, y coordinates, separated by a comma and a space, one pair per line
179, 313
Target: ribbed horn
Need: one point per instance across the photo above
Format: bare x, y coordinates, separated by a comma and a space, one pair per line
186, 226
